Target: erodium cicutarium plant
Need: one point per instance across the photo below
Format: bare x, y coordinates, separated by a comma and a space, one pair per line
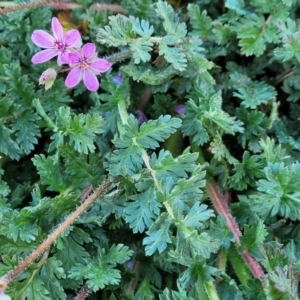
149, 151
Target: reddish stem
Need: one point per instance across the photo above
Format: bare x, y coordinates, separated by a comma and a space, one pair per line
222, 208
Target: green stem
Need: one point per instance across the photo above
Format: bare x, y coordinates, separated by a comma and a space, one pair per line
222, 260
196, 148
238, 265
211, 291
174, 143
201, 290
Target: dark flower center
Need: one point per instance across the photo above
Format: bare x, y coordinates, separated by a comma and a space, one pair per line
59, 46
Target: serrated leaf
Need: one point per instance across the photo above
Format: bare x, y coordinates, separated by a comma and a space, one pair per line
252, 93
7, 145
119, 32
50, 274
165, 165
173, 55
49, 170
197, 215
140, 214
201, 23
36, 290
140, 50
157, 240
117, 254
142, 27
171, 25
26, 130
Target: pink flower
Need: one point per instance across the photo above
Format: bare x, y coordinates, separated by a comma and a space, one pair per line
86, 65
61, 44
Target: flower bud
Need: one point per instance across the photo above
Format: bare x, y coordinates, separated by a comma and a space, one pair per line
47, 78
140, 117
118, 79
180, 109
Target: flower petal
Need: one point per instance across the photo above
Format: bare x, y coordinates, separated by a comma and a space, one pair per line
73, 39
63, 57
42, 39
88, 50
73, 78
90, 80
74, 58
100, 65
58, 30
44, 55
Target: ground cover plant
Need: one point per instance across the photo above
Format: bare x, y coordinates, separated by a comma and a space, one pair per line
149, 149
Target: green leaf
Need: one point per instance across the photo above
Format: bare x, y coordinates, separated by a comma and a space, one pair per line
253, 124
142, 27
20, 225
128, 158
254, 236
279, 191
172, 27
172, 54
246, 172
208, 119
99, 277
158, 236
252, 92
50, 172
82, 169
140, 50
8, 146
149, 75
100, 272
119, 32
254, 32
201, 23
165, 165
140, 214
290, 40
117, 254
181, 294
81, 130
26, 130
50, 274
197, 215
35, 290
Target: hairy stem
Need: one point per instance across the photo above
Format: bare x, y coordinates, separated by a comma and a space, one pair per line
211, 291
83, 293
13, 8
55, 234
222, 208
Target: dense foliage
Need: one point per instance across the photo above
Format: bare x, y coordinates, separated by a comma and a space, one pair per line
193, 138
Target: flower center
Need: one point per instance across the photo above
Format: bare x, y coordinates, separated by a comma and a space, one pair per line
84, 64
59, 46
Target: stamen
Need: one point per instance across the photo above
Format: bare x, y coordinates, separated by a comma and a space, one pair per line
84, 64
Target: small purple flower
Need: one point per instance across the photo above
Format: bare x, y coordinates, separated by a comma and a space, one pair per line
86, 65
60, 45
118, 79
141, 117
180, 109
